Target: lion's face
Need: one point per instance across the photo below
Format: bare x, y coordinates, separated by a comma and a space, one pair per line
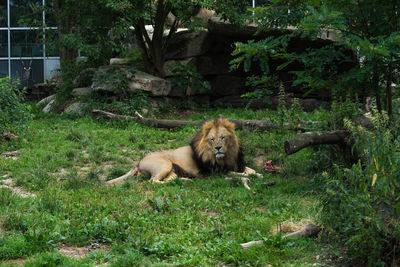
217, 138
217, 143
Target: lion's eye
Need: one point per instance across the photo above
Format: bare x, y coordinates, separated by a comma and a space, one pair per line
212, 139
222, 137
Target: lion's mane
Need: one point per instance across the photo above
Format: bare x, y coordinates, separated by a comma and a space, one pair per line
203, 152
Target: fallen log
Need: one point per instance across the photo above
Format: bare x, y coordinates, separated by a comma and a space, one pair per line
310, 230
303, 140
169, 124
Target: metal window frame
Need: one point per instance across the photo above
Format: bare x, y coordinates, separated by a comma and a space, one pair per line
9, 58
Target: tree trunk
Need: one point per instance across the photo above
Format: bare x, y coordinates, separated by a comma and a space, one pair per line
389, 96
65, 26
303, 140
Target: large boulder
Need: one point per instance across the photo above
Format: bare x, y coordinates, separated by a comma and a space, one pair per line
220, 26
46, 100
188, 44
84, 79
170, 64
224, 85
205, 65
50, 106
152, 84
120, 61
81, 91
77, 109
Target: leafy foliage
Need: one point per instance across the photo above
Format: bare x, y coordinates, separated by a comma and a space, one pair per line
14, 113
187, 78
360, 35
362, 203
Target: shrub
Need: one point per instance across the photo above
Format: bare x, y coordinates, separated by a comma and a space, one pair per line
362, 203
13, 112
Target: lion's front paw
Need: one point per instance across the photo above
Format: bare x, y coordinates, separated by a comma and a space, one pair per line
259, 175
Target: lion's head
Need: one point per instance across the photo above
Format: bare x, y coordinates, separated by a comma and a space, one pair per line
216, 146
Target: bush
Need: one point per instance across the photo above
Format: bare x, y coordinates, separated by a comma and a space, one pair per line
362, 203
13, 112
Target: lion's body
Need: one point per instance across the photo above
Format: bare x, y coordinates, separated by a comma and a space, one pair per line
215, 148
161, 164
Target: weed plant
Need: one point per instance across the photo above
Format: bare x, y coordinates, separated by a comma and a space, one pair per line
13, 112
362, 203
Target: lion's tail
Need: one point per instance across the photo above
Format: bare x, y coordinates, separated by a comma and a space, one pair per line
134, 172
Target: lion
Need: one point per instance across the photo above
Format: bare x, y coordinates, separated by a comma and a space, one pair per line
216, 148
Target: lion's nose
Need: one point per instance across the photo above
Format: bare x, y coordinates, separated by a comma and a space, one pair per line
218, 148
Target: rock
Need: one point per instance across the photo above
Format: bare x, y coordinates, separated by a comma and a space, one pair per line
106, 78
84, 79
50, 106
219, 26
222, 27
77, 108
170, 64
213, 65
224, 85
120, 61
146, 82
46, 100
308, 104
188, 44
82, 91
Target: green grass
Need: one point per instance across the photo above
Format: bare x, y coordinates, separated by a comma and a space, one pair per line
65, 161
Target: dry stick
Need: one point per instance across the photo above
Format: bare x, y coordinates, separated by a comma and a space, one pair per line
160, 123
310, 230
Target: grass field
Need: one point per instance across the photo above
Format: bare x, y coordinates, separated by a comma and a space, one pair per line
74, 220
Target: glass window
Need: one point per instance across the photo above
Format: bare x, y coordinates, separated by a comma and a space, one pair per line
26, 13
3, 43
28, 71
26, 43
3, 68
50, 15
51, 43
3, 13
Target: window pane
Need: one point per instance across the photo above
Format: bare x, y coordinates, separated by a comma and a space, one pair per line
25, 13
3, 44
3, 68
51, 43
3, 13
29, 72
25, 43
50, 15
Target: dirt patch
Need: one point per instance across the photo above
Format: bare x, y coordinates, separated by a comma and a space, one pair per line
289, 227
80, 252
8, 183
7, 136
209, 213
11, 155
18, 262
61, 172
261, 210
259, 161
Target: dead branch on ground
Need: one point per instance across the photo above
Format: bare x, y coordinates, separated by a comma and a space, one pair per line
162, 123
310, 230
